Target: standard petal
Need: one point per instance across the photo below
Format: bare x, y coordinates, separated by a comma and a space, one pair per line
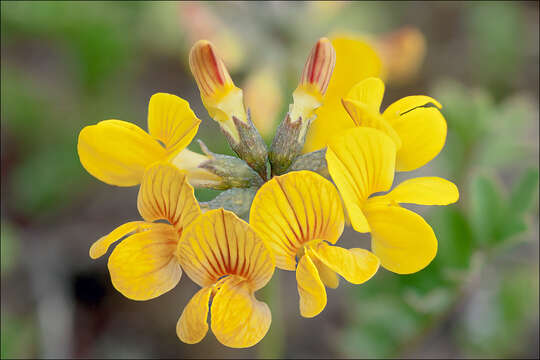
117, 152
363, 115
422, 130
193, 323
355, 61
310, 288
100, 247
171, 120
361, 162
424, 191
401, 239
369, 91
292, 209
143, 266
238, 319
166, 194
355, 265
218, 243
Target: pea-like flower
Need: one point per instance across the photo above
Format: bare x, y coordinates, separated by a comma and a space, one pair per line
227, 258
300, 215
362, 162
144, 265
414, 123
117, 152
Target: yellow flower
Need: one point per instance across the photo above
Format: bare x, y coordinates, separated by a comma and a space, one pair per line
225, 256
362, 163
297, 214
144, 265
117, 152
418, 130
356, 60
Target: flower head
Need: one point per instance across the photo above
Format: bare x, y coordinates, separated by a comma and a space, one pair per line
300, 215
225, 256
144, 265
118, 152
362, 163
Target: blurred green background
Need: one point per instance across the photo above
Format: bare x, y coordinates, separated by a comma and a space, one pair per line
65, 65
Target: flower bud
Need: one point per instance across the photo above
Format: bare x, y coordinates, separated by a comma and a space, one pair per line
220, 96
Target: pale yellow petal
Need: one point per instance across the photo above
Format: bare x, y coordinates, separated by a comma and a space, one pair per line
356, 60
143, 266
238, 319
369, 92
310, 288
166, 194
292, 209
193, 323
100, 247
424, 191
361, 162
422, 130
328, 276
356, 266
219, 243
401, 239
171, 120
117, 152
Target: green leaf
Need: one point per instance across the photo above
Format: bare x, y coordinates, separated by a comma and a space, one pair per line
486, 209
524, 193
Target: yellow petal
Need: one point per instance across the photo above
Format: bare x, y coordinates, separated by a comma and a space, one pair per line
190, 162
355, 265
355, 61
361, 162
422, 130
310, 288
143, 266
117, 152
328, 276
219, 243
363, 115
238, 319
424, 191
369, 91
292, 209
401, 239
171, 120
166, 194
193, 325
100, 247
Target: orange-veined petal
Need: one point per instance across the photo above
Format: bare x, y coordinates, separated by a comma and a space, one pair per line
355, 265
292, 209
310, 288
143, 266
166, 194
117, 152
193, 323
361, 162
238, 319
401, 239
422, 130
219, 243
171, 120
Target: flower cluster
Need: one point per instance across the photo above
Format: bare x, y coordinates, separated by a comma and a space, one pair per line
297, 203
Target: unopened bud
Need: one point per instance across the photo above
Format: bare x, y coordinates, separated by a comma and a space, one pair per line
307, 97
220, 96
